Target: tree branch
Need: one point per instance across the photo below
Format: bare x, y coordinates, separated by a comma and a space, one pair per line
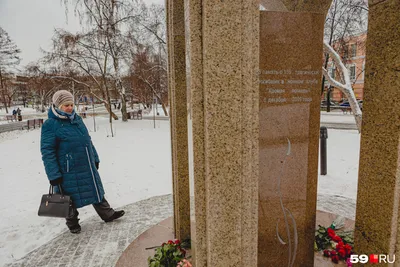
344, 88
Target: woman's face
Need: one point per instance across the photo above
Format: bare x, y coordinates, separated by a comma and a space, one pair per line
68, 108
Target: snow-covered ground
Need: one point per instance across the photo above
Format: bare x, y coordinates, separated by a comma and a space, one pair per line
343, 148
26, 110
135, 165
31, 113
337, 116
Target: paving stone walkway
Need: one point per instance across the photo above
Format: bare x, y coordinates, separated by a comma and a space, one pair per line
100, 244
336, 204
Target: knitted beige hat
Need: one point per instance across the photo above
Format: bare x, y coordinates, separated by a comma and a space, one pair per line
62, 97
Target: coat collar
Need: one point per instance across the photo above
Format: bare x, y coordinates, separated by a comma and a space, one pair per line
53, 114
58, 114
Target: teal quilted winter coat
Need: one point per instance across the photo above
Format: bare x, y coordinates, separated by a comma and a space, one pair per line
68, 152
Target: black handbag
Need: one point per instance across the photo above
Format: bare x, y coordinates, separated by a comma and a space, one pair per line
55, 205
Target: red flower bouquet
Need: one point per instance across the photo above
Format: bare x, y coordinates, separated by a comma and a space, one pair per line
336, 245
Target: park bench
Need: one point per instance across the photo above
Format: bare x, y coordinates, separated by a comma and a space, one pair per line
11, 118
33, 123
135, 115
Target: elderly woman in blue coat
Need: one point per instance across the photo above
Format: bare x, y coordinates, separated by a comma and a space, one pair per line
71, 160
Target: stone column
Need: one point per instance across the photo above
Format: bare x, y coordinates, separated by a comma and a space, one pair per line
195, 98
290, 77
290, 82
378, 197
222, 50
178, 113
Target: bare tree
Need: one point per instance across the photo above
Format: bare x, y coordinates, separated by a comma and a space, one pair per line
9, 58
41, 84
148, 57
344, 19
346, 86
89, 54
86, 54
150, 28
149, 77
108, 19
113, 24
9, 90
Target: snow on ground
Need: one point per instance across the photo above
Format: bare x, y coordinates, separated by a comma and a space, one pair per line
26, 110
134, 165
31, 113
343, 148
337, 116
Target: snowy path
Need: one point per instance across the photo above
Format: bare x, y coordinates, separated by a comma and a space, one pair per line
100, 244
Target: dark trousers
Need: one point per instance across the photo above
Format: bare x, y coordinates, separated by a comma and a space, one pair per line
103, 209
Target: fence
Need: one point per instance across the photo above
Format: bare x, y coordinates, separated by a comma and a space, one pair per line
33, 123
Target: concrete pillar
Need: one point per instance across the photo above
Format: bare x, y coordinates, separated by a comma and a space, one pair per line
290, 82
178, 113
222, 50
378, 196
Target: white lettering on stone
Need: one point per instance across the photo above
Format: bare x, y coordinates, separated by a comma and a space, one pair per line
276, 91
301, 99
315, 81
271, 72
270, 81
300, 91
307, 72
295, 81
275, 100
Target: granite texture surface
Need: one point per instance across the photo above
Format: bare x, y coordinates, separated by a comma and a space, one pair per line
222, 50
143, 247
178, 100
378, 198
290, 84
196, 128
138, 251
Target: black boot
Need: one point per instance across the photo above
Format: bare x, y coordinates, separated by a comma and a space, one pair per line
76, 229
73, 221
116, 215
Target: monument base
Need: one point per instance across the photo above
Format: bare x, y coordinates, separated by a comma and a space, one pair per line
135, 255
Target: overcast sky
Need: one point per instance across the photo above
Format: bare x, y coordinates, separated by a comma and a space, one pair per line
30, 23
